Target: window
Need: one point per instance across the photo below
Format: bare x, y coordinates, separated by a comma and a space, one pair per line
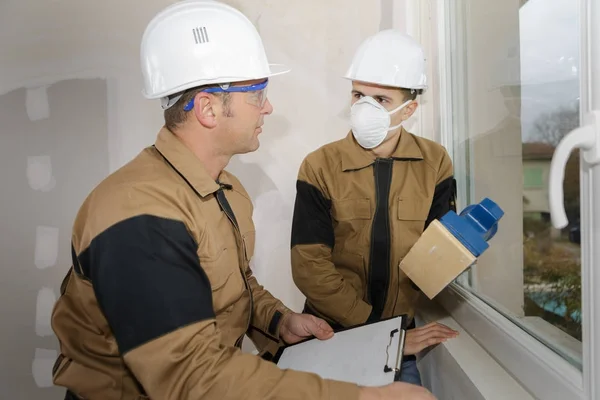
533, 176
520, 95
510, 91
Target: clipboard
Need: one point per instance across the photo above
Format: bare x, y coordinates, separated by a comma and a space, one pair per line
368, 355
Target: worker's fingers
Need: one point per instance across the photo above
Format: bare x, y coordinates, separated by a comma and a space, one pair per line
433, 327
443, 329
431, 341
428, 325
414, 346
420, 336
426, 336
320, 328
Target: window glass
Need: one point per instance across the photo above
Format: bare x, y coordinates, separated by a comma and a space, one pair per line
514, 83
533, 175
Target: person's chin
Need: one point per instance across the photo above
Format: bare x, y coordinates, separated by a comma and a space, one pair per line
255, 145
252, 147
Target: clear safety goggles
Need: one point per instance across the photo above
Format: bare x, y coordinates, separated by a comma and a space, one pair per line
256, 94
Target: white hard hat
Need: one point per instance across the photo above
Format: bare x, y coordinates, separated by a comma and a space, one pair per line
389, 58
201, 42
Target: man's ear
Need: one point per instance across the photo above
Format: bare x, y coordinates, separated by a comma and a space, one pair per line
204, 109
409, 110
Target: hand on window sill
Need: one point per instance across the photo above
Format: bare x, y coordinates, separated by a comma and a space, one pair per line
418, 339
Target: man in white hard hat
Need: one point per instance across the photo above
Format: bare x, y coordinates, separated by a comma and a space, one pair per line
364, 200
160, 294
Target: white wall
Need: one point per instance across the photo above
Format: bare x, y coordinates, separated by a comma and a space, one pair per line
310, 104
70, 89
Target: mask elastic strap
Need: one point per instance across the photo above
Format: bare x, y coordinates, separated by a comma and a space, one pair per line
395, 111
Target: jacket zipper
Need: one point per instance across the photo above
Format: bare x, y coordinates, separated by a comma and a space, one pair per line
226, 207
379, 258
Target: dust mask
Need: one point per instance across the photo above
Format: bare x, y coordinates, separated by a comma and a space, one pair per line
370, 121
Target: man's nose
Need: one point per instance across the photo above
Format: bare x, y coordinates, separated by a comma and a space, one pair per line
267, 107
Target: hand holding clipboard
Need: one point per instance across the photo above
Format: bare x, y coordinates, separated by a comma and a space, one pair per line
359, 354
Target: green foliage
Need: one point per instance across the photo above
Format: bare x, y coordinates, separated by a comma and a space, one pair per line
535, 227
556, 267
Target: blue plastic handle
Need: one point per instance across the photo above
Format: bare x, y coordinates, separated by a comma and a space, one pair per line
475, 226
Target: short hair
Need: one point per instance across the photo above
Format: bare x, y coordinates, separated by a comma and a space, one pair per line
411, 94
176, 115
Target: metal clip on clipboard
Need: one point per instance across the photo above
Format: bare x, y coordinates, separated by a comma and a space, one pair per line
400, 352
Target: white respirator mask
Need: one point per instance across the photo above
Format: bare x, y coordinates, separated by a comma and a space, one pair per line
370, 121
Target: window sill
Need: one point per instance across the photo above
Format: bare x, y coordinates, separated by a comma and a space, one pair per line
535, 367
461, 368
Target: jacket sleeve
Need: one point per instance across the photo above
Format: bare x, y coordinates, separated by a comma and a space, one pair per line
444, 196
312, 243
267, 315
157, 300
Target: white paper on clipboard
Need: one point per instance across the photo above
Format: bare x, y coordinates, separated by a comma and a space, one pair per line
356, 355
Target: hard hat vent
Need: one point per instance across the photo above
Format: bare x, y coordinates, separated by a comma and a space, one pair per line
200, 35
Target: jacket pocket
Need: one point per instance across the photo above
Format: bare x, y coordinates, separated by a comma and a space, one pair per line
411, 215
249, 239
352, 224
352, 268
225, 278
351, 209
413, 208
217, 268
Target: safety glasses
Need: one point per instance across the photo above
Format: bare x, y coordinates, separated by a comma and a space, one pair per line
257, 93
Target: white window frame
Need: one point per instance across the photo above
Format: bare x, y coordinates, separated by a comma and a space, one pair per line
541, 371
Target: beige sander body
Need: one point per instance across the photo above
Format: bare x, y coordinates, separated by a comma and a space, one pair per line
451, 245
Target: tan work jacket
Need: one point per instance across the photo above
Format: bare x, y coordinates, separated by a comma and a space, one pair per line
160, 294
356, 216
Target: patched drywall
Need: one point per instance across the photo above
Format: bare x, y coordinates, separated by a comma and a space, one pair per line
48, 167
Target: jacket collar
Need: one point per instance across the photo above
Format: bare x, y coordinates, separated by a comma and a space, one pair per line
185, 162
355, 157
